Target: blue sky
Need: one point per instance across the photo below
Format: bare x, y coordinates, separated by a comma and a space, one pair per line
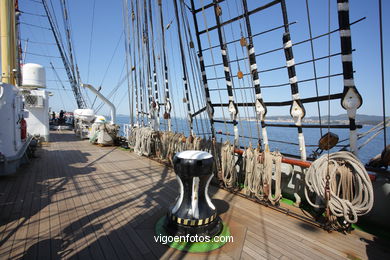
108, 34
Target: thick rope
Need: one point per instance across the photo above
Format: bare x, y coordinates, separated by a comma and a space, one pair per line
229, 171
260, 170
271, 159
351, 192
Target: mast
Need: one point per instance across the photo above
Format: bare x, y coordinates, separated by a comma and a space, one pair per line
75, 87
68, 37
183, 62
168, 105
8, 40
18, 45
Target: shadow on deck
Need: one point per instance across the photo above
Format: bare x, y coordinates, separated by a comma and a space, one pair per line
83, 201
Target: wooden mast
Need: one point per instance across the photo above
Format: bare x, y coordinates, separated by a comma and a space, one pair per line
8, 41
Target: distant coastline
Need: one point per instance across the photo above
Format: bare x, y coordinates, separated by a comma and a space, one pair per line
336, 119
361, 119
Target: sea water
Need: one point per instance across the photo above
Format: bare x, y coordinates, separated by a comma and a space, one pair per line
284, 134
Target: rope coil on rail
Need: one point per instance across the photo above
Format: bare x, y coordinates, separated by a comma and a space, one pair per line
351, 191
229, 171
164, 145
260, 167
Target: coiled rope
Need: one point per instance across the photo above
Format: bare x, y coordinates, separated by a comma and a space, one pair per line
260, 167
351, 192
271, 159
144, 140
228, 171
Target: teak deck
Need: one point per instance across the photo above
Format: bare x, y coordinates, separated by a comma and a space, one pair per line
77, 200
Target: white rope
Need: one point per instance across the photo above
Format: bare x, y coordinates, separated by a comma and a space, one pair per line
259, 173
249, 166
144, 140
351, 192
229, 171
270, 159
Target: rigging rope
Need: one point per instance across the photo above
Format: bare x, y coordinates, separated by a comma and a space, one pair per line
194, 71
240, 75
154, 105
209, 106
185, 73
297, 109
382, 74
213, 63
232, 107
90, 39
108, 67
314, 64
261, 109
168, 104
129, 65
351, 99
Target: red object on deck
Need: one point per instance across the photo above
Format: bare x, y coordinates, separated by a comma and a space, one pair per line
301, 163
23, 129
291, 161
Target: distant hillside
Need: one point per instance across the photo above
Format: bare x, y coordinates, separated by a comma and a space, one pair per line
336, 119
342, 118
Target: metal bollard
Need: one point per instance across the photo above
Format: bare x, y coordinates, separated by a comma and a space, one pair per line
193, 212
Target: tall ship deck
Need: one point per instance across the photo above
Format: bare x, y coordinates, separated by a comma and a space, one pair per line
82, 201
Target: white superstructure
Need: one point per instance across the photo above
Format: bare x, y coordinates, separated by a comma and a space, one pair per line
36, 100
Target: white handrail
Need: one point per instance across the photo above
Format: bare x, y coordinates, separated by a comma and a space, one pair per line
104, 99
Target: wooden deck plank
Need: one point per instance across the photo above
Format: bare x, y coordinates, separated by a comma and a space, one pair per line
12, 238
95, 223
272, 232
76, 228
88, 202
108, 226
119, 203
299, 229
121, 195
